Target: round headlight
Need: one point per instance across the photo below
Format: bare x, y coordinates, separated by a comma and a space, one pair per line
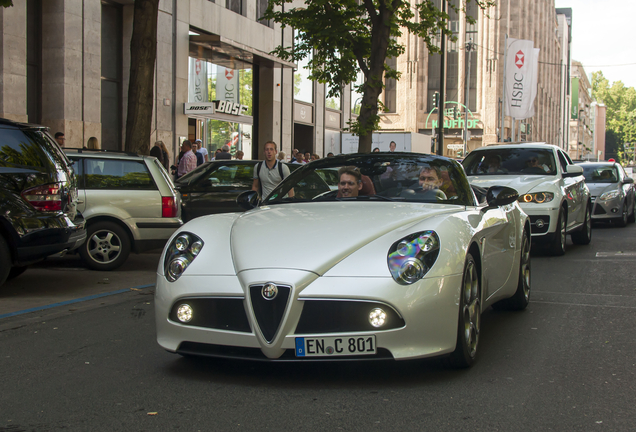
404, 248
377, 317
176, 268
196, 247
427, 242
182, 243
412, 270
184, 313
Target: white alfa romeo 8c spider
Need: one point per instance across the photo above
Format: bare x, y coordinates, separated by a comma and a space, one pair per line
353, 257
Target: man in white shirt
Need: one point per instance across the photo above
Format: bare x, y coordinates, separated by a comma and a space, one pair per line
268, 174
202, 149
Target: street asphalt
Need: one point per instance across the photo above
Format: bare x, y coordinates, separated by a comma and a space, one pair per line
567, 363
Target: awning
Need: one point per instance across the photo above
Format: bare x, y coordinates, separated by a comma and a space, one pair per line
230, 54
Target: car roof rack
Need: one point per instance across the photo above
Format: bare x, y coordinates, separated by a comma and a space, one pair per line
83, 150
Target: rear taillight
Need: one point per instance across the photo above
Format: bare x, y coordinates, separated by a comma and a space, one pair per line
44, 197
168, 207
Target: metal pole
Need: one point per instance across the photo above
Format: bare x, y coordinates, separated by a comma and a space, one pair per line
469, 48
442, 89
503, 94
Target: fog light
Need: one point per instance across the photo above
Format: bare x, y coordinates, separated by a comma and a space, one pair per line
615, 210
182, 243
176, 268
377, 317
539, 223
184, 313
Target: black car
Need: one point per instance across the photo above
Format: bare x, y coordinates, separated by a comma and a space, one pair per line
38, 198
213, 187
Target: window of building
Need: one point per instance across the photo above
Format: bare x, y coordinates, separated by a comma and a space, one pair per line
235, 6
111, 103
356, 97
303, 86
390, 87
333, 103
261, 7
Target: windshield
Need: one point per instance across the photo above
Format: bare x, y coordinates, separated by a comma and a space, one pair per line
600, 173
381, 177
510, 161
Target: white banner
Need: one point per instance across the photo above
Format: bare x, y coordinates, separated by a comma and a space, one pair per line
521, 78
227, 84
198, 81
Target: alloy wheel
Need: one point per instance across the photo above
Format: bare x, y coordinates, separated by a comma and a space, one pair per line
472, 308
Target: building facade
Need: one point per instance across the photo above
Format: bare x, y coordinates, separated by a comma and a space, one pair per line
581, 115
479, 102
66, 64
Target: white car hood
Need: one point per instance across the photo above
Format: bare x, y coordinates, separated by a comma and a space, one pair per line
521, 183
315, 237
597, 189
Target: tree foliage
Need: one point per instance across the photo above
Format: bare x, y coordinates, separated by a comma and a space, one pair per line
342, 37
6, 3
620, 102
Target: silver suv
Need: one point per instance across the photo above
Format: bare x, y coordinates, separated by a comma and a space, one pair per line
129, 203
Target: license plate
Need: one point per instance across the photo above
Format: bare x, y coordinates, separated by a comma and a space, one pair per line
335, 346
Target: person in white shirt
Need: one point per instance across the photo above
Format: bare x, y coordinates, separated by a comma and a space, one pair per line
202, 149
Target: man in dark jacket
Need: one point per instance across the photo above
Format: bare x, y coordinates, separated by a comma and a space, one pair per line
225, 153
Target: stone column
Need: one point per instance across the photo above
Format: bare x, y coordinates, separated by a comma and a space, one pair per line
13, 82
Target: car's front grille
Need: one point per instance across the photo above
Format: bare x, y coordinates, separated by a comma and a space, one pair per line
244, 353
599, 210
215, 313
269, 312
539, 224
342, 316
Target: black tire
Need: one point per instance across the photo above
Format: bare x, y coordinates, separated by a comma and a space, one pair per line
521, 297
622, 220
632, 217
5, 260
469, 323
584, 236
16, 271
107, 246
557, 247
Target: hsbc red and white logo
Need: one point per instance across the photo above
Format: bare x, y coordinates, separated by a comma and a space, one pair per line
229, 74
520, 58
197, 67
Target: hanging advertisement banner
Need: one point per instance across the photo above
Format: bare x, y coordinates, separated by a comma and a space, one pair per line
198, 81
521, 78
227, 84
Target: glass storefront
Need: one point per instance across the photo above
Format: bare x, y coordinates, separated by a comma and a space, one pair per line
210, 82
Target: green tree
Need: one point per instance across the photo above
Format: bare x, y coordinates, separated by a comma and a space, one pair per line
6, 3
347, 36
620, 103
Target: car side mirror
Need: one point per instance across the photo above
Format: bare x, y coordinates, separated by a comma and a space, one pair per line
248, 200
498, 196
573, 171
628, 180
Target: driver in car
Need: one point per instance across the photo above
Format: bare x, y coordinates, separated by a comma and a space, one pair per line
533, 162
350, 182
428, 185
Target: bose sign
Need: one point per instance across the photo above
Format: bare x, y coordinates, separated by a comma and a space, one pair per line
215, 107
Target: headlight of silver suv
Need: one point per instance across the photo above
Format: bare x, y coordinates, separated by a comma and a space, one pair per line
537, 197
609, 195
412, 257
183, 249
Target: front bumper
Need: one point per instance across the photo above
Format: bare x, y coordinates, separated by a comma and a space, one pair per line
428, 311
607, 209
543, 220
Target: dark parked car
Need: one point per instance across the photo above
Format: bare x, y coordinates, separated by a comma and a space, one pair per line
213, 187
38, 199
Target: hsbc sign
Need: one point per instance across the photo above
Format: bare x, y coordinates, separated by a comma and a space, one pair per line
521, 78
